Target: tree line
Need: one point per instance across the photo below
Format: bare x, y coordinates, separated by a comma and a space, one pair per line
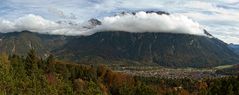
34, 75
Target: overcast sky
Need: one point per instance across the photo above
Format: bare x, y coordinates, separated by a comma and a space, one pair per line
219, 17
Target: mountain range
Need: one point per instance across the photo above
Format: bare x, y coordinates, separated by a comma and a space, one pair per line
164, 49
123, 47
234, 48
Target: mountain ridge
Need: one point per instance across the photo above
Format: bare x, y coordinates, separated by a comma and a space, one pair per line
164, 49
139, 45
234, 47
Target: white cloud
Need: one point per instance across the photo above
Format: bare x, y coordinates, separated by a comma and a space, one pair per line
198, 5
222, 22
231, 1
151, 22
38, 24
6, 26
140, 22
61, 13
34, 23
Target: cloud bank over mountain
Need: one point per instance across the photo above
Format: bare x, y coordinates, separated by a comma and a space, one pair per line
151, 22
38, 24
138, 22
29, 22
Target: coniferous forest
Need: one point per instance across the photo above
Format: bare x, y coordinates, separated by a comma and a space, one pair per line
33, 75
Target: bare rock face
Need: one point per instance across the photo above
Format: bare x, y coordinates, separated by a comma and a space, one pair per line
94, 22
157, 12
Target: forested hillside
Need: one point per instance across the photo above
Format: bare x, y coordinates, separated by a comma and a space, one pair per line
33, 75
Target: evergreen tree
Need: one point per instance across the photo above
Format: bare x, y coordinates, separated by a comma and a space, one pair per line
230, 90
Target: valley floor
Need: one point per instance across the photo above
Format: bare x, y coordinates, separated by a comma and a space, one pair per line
152, 71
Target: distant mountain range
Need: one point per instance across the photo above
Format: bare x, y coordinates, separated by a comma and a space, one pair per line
122, 47
234, 47
164, 49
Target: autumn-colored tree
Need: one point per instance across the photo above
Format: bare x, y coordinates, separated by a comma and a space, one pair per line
32, 75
